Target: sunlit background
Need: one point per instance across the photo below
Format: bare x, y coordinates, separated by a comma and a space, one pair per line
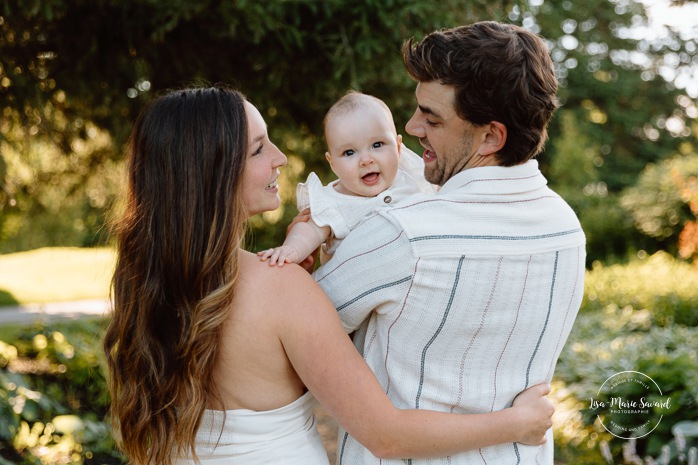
622, 151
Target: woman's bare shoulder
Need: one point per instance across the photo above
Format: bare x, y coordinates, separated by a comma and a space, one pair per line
252, 265
288, 282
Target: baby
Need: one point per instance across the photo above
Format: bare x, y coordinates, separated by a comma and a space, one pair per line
373, 168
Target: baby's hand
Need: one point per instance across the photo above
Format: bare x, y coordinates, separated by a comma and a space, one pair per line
280, 255
535, 411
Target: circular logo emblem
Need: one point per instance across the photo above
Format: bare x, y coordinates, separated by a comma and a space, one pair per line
630, 404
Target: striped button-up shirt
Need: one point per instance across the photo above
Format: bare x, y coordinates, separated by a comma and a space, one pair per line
462, 299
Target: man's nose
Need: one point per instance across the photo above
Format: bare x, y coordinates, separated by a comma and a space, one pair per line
414, 128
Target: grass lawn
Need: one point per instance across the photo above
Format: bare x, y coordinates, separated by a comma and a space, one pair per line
55, 274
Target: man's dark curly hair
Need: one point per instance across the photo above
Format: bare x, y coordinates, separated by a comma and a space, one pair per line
501, 72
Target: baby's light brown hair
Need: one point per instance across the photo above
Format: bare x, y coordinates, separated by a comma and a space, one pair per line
352, 101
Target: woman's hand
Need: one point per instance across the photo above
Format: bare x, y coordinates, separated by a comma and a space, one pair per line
535, 412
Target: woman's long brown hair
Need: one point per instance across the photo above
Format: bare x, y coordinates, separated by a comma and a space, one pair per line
178, 244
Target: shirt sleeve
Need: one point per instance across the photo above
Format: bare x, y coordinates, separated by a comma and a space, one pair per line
371, 271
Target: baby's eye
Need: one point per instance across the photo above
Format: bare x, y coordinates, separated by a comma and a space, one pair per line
377, 145
348, 153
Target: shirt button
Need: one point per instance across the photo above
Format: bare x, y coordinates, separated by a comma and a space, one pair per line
387, 199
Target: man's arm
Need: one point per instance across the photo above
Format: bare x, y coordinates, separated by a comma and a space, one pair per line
371, 270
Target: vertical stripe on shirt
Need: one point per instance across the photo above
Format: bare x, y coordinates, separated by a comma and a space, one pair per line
464, 357
387, 344
516, 319
553, 361
547, 318
436, 334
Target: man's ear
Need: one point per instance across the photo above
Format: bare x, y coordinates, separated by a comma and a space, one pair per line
495, 138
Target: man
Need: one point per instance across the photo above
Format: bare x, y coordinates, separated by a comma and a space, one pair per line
463, 299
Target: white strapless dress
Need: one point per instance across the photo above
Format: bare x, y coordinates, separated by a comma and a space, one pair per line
284, 436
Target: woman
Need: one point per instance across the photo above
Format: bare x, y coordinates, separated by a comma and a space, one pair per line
210, 353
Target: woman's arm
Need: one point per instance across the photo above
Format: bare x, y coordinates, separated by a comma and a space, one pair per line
302, 239
329, 365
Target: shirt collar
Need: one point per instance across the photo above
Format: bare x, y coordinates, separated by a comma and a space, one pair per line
497, 179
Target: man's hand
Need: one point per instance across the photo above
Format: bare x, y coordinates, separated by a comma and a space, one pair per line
535, 412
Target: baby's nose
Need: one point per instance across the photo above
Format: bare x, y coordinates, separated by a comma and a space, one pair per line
366, 159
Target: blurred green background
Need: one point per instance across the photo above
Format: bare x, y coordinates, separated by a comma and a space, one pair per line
622, 151
74, 74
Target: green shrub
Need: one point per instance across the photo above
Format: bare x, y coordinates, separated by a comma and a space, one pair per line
607, 342
657, 203
53, 399
659, 284
634, 317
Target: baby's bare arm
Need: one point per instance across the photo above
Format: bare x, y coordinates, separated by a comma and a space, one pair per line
301, 241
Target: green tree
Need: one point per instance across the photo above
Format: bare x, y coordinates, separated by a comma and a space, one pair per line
663, 202
619, 112
615, 82
70, 65
74, 73
575, 173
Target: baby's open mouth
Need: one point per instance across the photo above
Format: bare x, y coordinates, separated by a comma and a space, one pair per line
370, 178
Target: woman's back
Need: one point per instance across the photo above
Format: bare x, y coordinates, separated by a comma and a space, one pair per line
252, 370
269, 416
